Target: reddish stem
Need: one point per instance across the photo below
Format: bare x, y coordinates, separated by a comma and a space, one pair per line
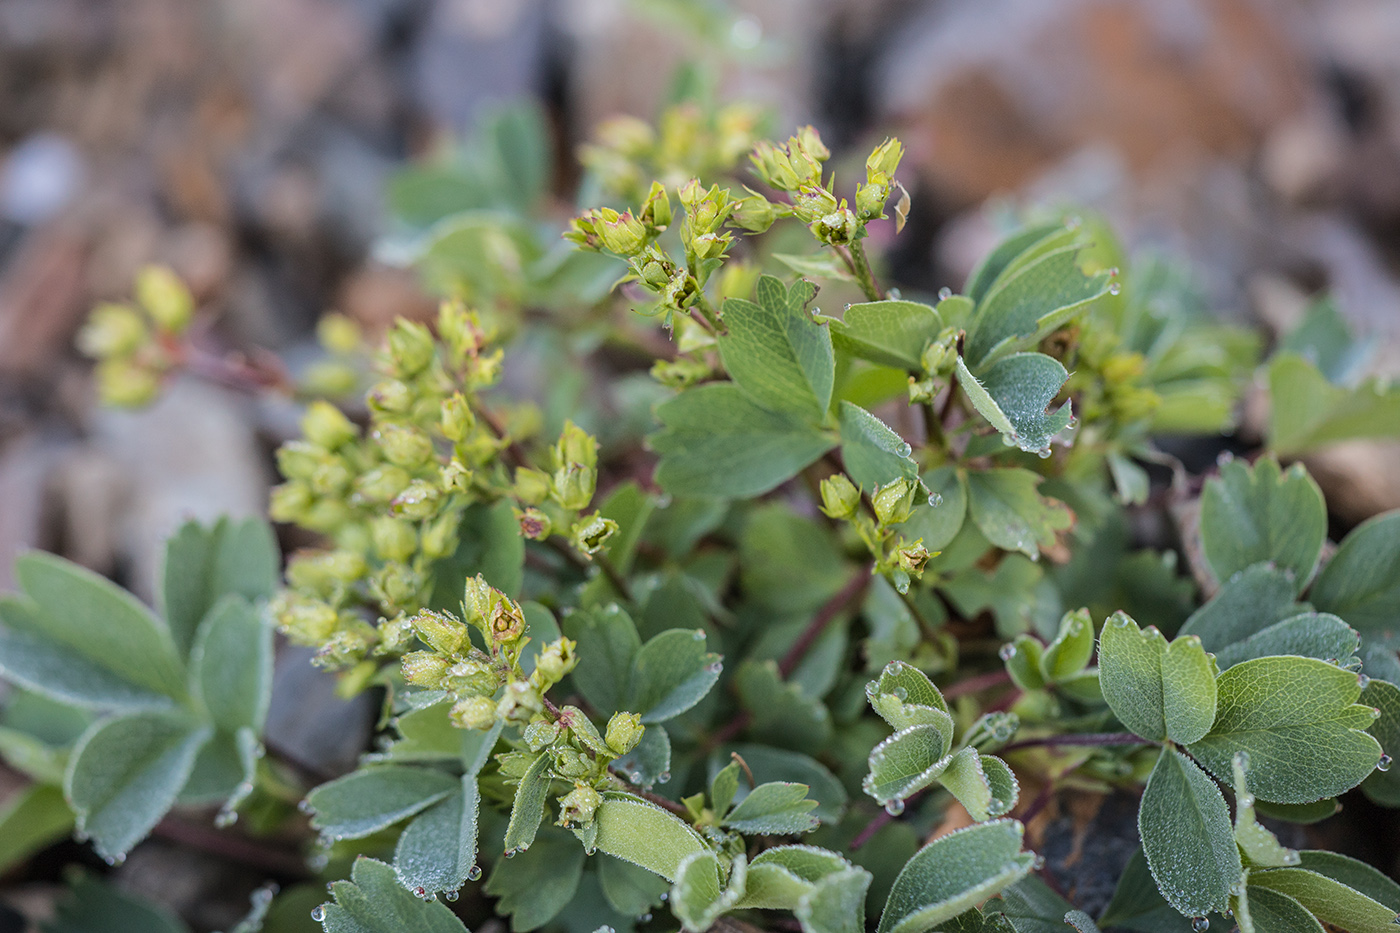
975, 684
1093, 738
849, 593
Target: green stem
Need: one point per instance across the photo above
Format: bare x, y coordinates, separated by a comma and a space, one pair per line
711, 318
862, 270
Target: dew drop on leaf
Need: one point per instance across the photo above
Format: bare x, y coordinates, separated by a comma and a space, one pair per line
304, 806
510, 853
420, 891
714, 668
1363, 681
1291, 858
945, 293
1384, 763
1039, 863
1114, 289
1007, 651
1200, 924
1236, 889
699, 634
318, 913
1043, 453
451, 897
935, 500
225, 819
894, 807
645, 918
663, 777
474, 873
903, 450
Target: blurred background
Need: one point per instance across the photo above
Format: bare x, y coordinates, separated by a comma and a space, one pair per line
248, 144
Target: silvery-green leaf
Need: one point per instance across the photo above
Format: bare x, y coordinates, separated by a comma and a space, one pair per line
1262, 513
1187, 838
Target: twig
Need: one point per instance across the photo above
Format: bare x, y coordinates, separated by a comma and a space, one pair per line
517, 454
1085, 739
849, 593
881, 820
975, 684
231, 847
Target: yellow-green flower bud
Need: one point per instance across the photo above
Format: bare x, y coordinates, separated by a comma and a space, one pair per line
534, 524
392, 396
304, 621
507, 620
555, 660
455, 476
571, 763
439, 631
813, 202
809, 141
540, 734
397, 585
473, 713
346, 647
574, 485
165, 298
884, 161
579, 805
935, 355
656, 210
583, 232
124, 384
519, 703
382, 483
894, 503
394, 540
290, 501
112, 330
439, 537
419, 499
326, 426
839, 227
403, 445
331, 478
298, 459
575, 446
338, 334
624, 732
460, 329
457, 418
755, 213
870, 200
531, 486
411, 348
912, 558
424, 669
623, 233
773, 166
840, 497
591, 532
471, 676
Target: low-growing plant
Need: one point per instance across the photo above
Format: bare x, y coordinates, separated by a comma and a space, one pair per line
751, 586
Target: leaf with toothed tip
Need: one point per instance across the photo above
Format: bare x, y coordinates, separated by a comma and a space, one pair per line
776, 352
1263, 513
1014, 395
642, 833
1159, 690
891, 333
1004, 504
373, 901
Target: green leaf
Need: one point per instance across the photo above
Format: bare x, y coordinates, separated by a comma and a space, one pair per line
1028, 303
368, 800
644, 834
1156, 689
1187, 838
56, 671
697, 898
528, 809
99, 621
906, 762
672, 673
373, 901
426, 734
1354, 874
126, 772
716, 442
203, 563
776, 352
1309, 635
780, 764
891, 333
836, 904
90, 905
1072, 648
438, 849
1301, 813
1299, 721
782, 714
904, 696
983, 784
1014, 393
787, 563
1384, 786
1138, 905
823, 265
873, 454
1248, 602
1271, 912
1329, 900
1258, 845
630, 507
954, 873
938, 525
1081, 921
1004, 504
998, 260
776, 809
1361, 583
723, 787
1250, 515
1308, 412
631, 890
224, 770
31, 820
1030, 906
608, 638
231, 664
534, 885
650, 762
1024, 661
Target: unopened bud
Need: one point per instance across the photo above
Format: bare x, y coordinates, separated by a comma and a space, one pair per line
392, 396
534, 524
473, 713
457, 418
531, 486
418, 500
112, 330
382, 483
624, 732
884, 161
840, 497
403, 445
410, 348
519, 703
424, 669
440, 631
394, 540
338, 334
912, 558
754, 213
298, 459
579, 805
327, 427
656, 210
555, 660
165, 298
622, 234
439, 537
895, 502
574, 485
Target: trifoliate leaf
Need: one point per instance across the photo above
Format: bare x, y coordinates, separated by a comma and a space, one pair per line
1004, 504
608, 638
206, 562
1300, 723
1187, 838
534, 885
954, 873
874, 455
1309, 635
528, 807
368, 800
1014, 393
777, 808
906, 762
891, 333
780, 764
1254, 514
1157, 689
1248, 602
1361, 583
126, 772
776, 352
1308, 412
644, 834
437, 851
715, 441
672, 672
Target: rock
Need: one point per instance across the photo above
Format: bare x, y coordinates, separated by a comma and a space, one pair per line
309, 724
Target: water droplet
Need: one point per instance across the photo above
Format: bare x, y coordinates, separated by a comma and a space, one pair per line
895, 294
901, 693
699, 634
474, 873
420, 891
935, 500
1236, 889
945, 293
225, 819
1200, 924
1072, 223
663, 777
590, 850
1113, 272
1291, 858
894, 807
1039, 863
510, 853
1363, 681
451, 897
1007, 652
1113, 289
524, 846
645, 918
665, 896
1224, 458
714, 667
1384, 763
304, 806
318, 913
1043, 453
903, 450
114, 860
